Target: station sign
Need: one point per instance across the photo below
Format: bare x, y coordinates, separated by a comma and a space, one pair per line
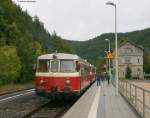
109, 55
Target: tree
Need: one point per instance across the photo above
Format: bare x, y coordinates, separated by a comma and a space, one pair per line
25, 35
61, 45
2, 41
37, 50
128, 72
10, 65
100, 62
123, 39
147, 62
26, 53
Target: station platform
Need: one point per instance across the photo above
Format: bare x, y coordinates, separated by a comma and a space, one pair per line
100, 102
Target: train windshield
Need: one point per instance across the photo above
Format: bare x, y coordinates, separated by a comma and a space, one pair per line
54, 66
67, 66
43, 65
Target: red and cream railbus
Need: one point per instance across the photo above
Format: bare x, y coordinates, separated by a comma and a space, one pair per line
60, 73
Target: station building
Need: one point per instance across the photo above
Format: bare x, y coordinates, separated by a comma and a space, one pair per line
130, 56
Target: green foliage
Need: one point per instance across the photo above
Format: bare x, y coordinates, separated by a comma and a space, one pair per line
128, 72
61, 45
95, 47
10, 65
2, 42
147, 61
29, 38
122, 78
37, 49
100, 62
26, 54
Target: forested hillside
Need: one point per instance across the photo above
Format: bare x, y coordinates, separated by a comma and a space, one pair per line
22, 39
93, 49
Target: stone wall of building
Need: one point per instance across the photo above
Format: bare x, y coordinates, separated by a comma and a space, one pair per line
130, 55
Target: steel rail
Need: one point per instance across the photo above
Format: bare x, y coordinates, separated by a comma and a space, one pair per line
17, 94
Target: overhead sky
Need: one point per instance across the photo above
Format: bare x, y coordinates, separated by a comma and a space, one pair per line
86, 19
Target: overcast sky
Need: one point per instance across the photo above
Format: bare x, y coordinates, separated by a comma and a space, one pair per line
85, 19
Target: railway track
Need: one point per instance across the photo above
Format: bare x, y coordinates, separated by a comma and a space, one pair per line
18, 104
53, 109
25, 104
16, 94
15, 91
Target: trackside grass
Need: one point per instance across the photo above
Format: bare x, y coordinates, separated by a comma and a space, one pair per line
15, 87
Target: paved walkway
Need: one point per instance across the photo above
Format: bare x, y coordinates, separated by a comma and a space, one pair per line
112, 106
82, 107
100, 102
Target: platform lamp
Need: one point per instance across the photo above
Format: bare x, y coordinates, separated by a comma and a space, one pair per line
108, 58
116, 44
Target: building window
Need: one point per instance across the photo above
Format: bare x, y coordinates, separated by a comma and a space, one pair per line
138, 73
127, 60
138, 69
138, 60
120, 60
123, 74
128, 50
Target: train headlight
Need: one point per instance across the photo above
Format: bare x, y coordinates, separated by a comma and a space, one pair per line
67, 81
42, 81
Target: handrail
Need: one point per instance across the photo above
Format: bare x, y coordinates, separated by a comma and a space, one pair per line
136, 86
137, 100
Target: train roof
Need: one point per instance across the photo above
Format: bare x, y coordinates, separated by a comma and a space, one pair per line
64, 56
59, 56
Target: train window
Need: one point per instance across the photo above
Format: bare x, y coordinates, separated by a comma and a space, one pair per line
82, 71
43, 66
67, 66
54, 65
78, 66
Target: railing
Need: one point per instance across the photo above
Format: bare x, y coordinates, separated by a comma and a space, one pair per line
138, 97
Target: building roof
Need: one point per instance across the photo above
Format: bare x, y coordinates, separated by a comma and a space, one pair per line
123, 43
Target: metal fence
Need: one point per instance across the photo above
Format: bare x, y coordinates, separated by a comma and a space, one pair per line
138, 97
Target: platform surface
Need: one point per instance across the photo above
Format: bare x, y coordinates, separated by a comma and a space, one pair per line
100, 102
112, 106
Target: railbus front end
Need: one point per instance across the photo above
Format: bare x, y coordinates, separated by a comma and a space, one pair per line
61, 74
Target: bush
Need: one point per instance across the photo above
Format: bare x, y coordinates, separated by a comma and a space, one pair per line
128, 72
10, 65
122, 78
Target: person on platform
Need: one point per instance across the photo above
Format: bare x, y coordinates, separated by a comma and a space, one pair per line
108, 78
98, 79
102, 77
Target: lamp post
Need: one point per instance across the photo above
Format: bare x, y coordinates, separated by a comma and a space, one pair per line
116, 45
108, 52
107, 63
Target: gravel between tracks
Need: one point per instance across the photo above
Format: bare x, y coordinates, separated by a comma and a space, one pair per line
19, 107
54, 109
